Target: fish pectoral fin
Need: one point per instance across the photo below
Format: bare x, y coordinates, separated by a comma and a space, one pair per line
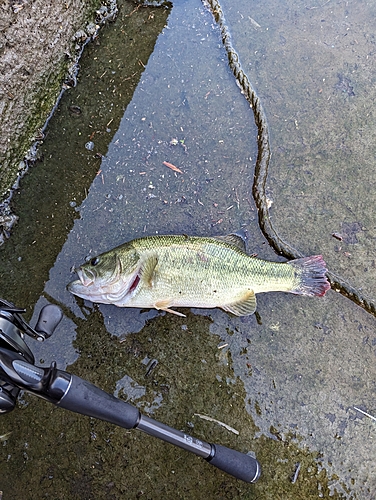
244, 306
163, 306
147, 269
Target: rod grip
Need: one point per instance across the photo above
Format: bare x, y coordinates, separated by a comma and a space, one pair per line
88, 399
237, 464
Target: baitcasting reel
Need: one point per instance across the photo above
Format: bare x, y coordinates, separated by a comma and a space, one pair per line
17, 371
13, 349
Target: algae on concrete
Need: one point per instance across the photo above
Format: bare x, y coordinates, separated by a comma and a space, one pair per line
38, 49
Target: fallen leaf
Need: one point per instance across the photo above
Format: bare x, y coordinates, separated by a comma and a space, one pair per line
170, 165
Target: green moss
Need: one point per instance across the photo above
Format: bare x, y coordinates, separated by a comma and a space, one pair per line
39, 103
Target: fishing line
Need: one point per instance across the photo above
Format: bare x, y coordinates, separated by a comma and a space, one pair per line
262, 164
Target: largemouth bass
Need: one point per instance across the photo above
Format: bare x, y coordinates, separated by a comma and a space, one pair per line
162, 272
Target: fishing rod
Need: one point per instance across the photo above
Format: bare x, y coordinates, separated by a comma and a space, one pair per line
63, 389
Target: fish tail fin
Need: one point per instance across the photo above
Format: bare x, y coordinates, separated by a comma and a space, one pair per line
311, 273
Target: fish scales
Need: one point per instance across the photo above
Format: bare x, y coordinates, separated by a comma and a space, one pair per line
181, 271
206, 265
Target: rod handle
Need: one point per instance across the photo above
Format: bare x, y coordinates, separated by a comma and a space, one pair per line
239, 465
86, 398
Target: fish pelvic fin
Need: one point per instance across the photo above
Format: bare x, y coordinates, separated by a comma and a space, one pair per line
244, 306
311, 273
163, 306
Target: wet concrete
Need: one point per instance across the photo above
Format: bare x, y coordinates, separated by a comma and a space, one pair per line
288, 385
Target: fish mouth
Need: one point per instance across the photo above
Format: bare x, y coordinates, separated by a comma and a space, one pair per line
80, 287
73, 285
86, 276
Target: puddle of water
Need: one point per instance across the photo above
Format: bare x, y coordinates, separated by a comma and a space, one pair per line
289, 384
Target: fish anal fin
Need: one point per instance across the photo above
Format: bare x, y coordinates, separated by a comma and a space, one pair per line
233, 239
244, 306
147, 269
163, 305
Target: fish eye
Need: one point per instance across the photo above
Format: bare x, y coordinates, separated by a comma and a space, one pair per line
94, 261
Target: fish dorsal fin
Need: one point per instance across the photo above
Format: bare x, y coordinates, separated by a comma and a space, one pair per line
147, 269
233, 239
244, 306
